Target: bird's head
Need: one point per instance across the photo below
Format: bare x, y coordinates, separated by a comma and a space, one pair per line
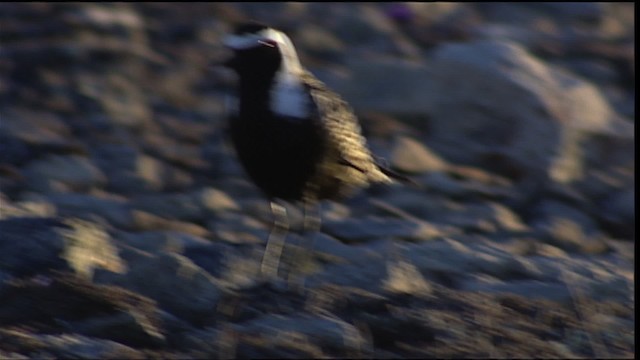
265, 58
259, 50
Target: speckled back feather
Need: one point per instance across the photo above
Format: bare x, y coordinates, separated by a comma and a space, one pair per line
347, 163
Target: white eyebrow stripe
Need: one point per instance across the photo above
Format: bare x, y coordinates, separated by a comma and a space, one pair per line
246, 41
239, 42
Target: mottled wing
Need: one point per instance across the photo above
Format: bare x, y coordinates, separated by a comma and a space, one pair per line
345, 140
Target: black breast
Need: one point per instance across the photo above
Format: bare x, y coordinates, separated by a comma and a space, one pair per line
279, 154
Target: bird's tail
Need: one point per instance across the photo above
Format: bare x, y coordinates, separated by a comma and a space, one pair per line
396, 176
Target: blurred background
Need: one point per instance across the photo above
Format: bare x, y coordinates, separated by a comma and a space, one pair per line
517, 119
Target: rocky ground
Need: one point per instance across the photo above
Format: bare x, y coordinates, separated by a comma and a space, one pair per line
128, 230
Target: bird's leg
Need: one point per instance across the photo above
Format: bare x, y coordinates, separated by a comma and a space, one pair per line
275, 242
303, 254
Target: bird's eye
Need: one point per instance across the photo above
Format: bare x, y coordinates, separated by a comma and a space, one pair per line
268, 42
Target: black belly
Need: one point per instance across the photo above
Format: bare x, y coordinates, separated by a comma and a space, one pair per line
279, 155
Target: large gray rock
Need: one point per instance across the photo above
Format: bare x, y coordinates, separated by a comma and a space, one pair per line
398, 87
500, 107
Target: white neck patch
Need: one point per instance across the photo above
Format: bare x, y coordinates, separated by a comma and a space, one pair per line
290, 100
288, 95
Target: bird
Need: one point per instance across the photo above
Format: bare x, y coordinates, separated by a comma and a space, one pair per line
297, 140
